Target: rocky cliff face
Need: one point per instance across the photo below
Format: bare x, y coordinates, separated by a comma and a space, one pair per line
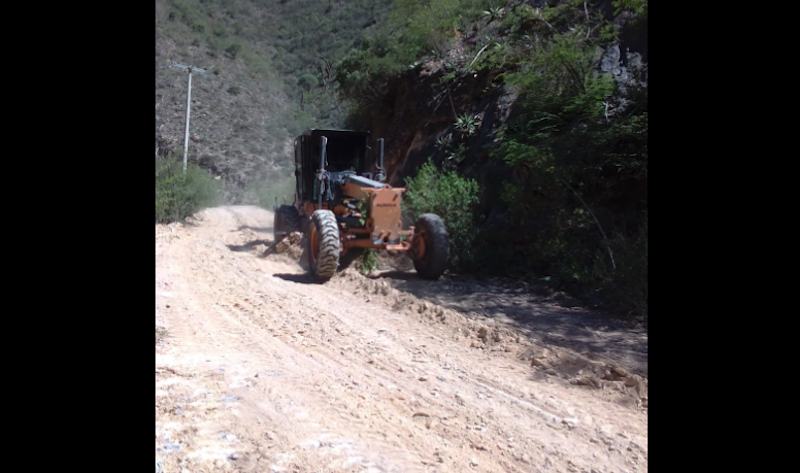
420, 109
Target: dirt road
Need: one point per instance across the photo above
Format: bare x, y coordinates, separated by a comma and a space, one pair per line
264, 371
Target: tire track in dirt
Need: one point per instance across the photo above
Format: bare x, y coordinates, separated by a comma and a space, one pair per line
325, 381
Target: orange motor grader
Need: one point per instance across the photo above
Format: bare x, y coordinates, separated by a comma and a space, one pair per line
342, 206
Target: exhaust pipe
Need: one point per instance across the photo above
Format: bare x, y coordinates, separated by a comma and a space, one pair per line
321, 173
380, 177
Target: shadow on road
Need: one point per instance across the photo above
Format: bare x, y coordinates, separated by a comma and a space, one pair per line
398, 275
301, 278
249, 245
555, 322
254, 229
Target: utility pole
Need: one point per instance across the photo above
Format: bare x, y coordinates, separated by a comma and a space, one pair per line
189, 69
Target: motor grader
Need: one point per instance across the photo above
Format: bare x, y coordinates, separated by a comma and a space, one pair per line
342, 205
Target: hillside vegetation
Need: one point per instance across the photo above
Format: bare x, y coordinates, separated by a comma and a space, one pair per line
571, 207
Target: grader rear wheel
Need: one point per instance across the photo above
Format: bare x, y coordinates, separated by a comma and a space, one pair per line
286, 221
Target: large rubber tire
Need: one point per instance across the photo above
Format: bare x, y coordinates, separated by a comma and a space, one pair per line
323, 232
434, 261
287, 220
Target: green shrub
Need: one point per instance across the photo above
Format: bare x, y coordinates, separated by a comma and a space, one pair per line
233, 50
625, 288
180, 195
367, 261
638, 7
307, 81
453, 198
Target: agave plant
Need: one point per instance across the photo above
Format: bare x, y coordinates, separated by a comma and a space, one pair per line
466, 124
443, 142
493, 12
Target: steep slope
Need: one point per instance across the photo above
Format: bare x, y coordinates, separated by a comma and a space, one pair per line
270, 76
236, 127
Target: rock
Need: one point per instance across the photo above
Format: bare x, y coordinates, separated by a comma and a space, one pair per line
440, 378
570, 422
569, 302
588, 381
459, 399
473, 462
619, 371
638, 383
537, 362
482, 332
551, 372
423, 378
234, 456
282, 246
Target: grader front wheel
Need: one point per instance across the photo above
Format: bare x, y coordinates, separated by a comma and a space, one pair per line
323, 245
430, 246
